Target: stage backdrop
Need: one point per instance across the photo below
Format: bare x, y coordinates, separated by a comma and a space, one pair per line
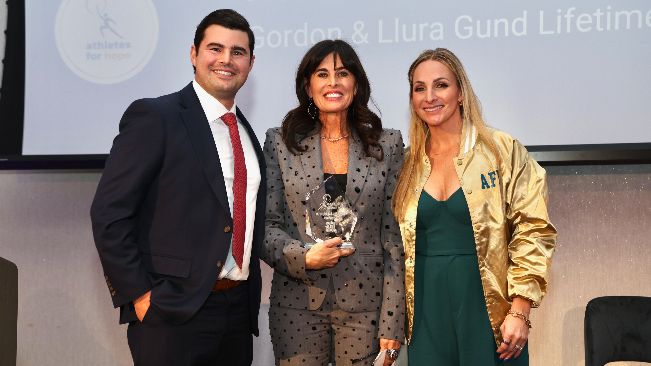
66, 318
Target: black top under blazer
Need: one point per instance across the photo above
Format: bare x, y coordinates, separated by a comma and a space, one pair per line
371, 279
161, 215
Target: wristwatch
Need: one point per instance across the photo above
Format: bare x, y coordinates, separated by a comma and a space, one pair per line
392, 353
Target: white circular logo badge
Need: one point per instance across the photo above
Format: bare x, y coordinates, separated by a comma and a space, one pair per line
106, 41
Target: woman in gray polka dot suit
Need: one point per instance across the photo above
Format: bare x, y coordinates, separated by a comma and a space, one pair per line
330, 304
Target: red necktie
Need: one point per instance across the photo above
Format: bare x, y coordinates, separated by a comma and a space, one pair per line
239, 189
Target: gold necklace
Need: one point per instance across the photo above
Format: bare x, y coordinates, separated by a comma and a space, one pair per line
335, 158
334, 139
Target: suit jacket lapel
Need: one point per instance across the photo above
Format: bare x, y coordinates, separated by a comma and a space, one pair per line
311, 160
201, 138
358, 165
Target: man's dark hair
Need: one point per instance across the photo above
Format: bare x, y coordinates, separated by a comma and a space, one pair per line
227, 18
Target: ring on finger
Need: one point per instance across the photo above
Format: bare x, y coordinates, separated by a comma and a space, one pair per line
506, 341
518, 347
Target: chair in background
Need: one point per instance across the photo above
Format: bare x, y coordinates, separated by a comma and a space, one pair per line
8, 312
617, 328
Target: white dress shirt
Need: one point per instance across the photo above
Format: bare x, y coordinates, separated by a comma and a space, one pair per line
214, 110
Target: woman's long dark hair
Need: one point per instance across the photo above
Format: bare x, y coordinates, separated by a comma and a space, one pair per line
361, 120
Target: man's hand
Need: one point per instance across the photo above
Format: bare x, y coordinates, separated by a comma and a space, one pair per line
142, 304
325, 254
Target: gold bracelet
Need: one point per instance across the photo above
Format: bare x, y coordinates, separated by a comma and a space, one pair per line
520, 315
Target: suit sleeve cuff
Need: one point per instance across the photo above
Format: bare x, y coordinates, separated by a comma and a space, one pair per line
294, 255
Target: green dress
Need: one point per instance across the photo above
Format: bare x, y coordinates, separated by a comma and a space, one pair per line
451, 325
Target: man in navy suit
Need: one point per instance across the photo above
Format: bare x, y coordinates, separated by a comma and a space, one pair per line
178, 216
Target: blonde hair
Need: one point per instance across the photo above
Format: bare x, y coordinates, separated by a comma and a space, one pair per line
412, 171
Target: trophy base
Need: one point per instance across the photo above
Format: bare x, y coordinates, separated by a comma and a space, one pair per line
344, 245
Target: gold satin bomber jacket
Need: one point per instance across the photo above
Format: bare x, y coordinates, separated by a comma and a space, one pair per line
514, 238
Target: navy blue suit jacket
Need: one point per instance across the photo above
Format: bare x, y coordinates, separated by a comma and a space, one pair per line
161, 219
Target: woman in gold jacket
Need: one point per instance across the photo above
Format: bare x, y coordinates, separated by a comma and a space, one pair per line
472, 209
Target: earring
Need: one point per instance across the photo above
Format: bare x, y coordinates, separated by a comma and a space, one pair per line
312, 110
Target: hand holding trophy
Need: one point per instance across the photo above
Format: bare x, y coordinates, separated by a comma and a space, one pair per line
326, 254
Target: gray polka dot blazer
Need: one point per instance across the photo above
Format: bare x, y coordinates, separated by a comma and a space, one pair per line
371, 279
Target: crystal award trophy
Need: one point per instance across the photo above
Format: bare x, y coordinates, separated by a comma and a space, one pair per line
329, 214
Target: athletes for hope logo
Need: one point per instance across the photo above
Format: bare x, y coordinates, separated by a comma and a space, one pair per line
106, 41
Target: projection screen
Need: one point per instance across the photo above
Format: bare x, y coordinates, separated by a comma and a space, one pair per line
552, 73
